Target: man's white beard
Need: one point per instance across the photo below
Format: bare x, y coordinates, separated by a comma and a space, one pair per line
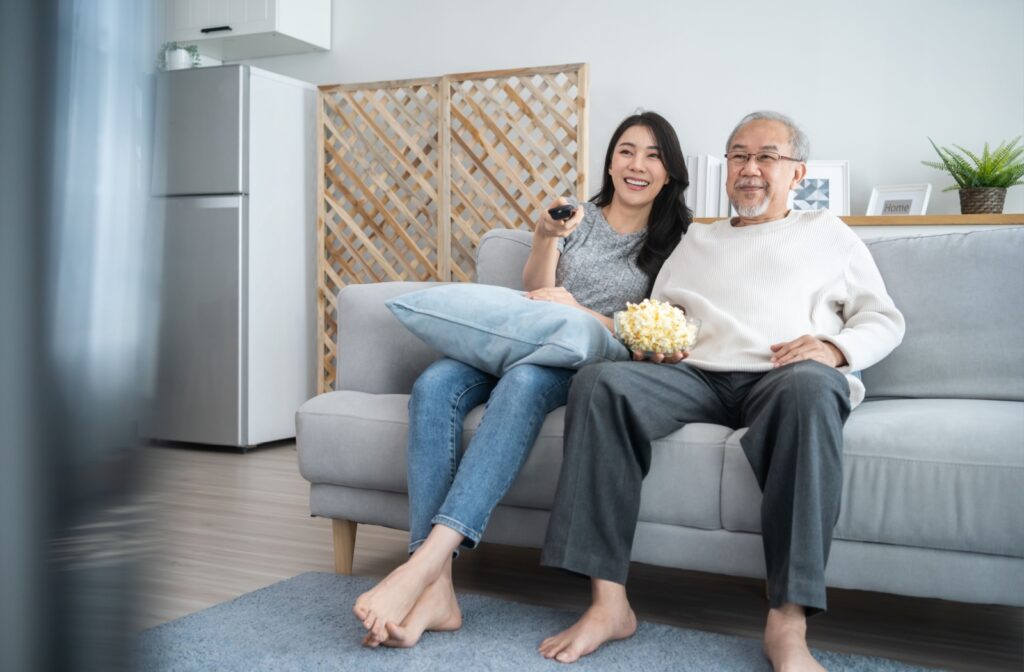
752, 210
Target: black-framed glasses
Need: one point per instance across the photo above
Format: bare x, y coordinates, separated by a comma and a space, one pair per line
763, 158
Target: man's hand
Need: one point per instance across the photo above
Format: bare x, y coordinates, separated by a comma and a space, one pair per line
661, 358
555, 295
807, 347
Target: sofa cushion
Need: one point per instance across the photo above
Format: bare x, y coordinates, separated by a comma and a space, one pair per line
357, 440
961, 296
496, 328
933, 473
682, 487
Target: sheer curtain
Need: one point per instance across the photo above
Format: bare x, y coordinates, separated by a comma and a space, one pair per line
77, 265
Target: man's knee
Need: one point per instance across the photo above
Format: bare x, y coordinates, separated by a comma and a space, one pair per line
808, 380
593, 374
597, 382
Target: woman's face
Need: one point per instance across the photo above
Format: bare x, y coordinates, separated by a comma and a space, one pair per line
636, 168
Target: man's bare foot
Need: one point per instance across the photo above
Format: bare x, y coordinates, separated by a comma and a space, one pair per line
437, 610
609, 618
785, 640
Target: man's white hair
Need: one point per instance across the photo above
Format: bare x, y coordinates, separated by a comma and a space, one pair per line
797, 138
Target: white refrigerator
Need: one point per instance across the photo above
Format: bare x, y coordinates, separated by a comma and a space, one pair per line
234, 180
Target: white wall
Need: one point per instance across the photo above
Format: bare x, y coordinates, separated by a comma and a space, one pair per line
868, 80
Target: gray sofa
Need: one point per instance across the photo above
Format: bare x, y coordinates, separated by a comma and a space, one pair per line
933, 464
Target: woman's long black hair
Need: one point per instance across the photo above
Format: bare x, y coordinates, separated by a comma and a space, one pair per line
669, 218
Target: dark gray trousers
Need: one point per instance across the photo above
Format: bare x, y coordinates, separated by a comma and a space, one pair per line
795, 416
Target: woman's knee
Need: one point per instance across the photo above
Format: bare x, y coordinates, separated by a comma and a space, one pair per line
522, 374
447, 387
534, 376
442, 376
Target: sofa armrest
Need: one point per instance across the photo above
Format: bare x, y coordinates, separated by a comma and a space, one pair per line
376, 354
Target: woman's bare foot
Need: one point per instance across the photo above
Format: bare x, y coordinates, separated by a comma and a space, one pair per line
437, 610
609, 618
785, 640
391, 600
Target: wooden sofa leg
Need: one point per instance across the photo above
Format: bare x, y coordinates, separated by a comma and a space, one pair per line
344, 544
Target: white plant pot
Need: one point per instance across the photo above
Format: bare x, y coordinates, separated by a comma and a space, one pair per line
177, 59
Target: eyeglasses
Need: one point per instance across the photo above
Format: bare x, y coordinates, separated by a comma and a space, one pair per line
765, 158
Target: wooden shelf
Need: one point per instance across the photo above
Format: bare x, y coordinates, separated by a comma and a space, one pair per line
918, 220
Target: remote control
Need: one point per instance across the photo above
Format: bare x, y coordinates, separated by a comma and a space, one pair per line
562, 212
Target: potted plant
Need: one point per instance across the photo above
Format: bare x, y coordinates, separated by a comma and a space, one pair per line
981, 180
176, 56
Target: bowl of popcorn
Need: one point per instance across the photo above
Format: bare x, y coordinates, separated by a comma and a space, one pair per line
653, 326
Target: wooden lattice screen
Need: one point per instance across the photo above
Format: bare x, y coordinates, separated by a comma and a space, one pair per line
413, 173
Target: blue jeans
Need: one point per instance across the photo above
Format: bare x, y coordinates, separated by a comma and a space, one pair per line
459, 490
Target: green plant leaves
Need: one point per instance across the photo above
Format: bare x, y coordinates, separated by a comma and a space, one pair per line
161, 56
1001, 168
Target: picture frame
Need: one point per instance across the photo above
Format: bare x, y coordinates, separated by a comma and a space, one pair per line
826, 186
900, 199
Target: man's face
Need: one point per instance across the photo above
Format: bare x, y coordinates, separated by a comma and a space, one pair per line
760, 189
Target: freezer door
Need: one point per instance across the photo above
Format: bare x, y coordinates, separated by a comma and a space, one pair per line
201, 134
200, 377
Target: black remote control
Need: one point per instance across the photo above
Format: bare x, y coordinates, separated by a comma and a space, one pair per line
562, 212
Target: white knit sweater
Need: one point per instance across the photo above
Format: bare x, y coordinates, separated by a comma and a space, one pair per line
754, 286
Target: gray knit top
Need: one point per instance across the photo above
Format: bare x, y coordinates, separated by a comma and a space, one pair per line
598, 265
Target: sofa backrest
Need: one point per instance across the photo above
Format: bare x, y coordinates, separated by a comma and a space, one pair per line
501, 255
375, 353
962, 295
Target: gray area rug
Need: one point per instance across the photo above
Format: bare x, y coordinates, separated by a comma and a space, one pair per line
306, 623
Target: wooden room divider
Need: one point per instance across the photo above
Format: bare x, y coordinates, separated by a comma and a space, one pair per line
413, 173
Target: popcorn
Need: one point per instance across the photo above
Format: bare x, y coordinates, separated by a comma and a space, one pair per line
654, 326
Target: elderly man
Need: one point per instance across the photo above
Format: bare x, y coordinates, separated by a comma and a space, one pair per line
790, 304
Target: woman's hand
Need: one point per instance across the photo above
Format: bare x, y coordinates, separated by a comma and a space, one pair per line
551, 228
555, 295
563, 296
539, 270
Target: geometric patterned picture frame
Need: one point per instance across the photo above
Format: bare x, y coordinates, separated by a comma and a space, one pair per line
826, 186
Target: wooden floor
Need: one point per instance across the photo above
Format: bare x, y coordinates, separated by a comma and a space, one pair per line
227, 523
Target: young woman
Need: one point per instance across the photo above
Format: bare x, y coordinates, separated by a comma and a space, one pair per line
608, 253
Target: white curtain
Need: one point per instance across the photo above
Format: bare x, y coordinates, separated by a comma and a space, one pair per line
76, 318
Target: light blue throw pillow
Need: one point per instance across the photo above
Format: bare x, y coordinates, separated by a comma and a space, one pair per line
495, 328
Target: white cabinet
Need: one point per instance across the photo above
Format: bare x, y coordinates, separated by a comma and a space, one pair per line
229, 30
